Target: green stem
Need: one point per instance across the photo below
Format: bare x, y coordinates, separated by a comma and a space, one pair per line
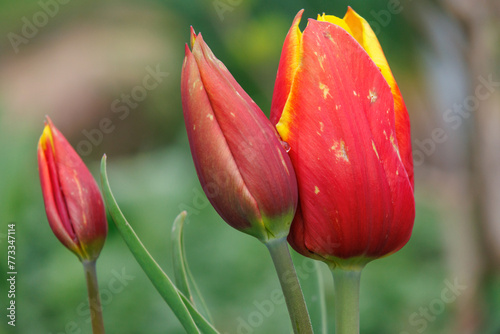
290, 285
346, 287
94, 298
322, 298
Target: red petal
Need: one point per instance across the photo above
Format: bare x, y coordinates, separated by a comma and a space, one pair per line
55, 206
289, 62
364, 35
403, 133
355, 196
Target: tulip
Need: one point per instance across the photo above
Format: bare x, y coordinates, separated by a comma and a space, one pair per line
241, 163
73, 202
339, 108
74, 208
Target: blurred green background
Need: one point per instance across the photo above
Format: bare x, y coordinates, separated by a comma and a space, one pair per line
81, 61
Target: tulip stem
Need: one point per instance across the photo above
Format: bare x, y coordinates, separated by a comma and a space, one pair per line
346, 287
94, 298
290, 285
322, 298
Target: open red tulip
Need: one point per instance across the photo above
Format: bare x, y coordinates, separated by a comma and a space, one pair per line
338, 107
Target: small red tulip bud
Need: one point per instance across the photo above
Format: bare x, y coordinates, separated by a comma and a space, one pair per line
73, 202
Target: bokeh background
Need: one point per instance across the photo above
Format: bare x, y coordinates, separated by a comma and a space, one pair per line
83, 63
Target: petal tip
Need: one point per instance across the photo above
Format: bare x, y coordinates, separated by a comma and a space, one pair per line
192, 37
298, 17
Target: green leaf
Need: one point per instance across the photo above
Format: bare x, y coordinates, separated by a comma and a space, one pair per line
183, 277
180, 305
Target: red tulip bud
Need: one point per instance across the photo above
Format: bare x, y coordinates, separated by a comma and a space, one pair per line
73, 202
242, 166
337, 105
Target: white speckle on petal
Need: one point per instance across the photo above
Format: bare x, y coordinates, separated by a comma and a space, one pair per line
340, 151
283, 162
395, 146
375, 149
321, 58
325, 89
193, 86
